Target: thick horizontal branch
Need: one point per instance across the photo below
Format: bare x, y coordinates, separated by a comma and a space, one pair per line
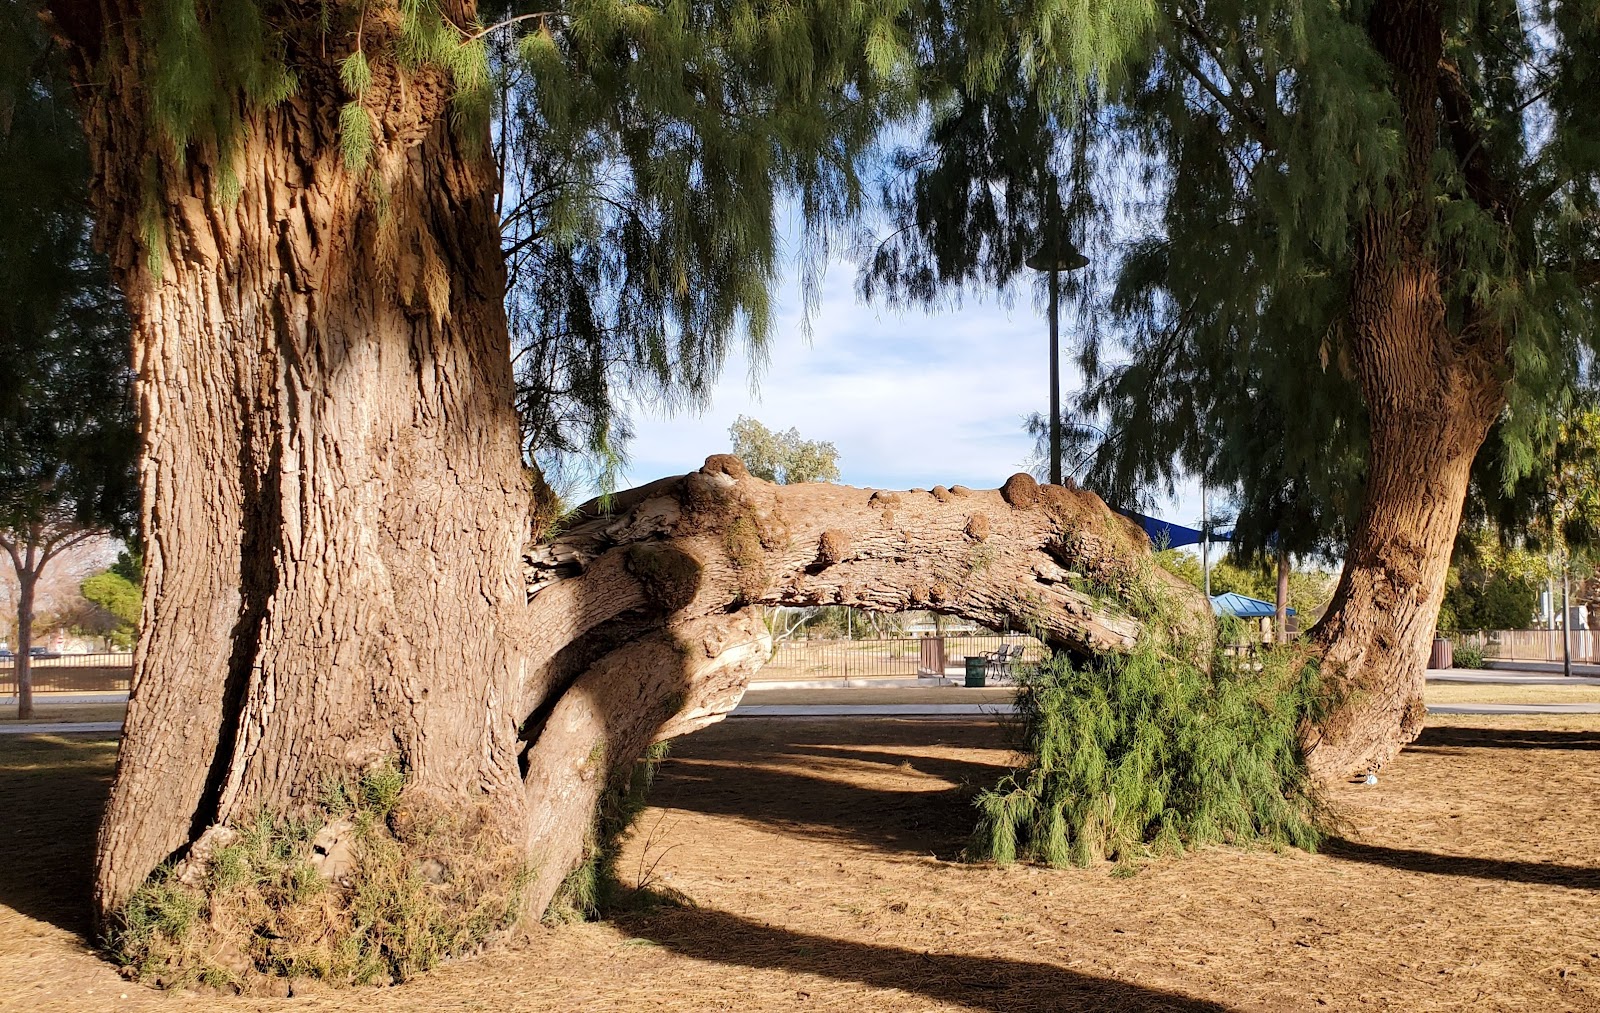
1054, 561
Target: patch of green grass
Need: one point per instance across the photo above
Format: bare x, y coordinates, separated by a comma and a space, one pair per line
417, 884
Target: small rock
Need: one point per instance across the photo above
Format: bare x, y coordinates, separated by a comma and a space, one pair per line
433, 870
331, 852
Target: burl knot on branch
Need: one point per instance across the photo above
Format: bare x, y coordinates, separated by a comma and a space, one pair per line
832, 548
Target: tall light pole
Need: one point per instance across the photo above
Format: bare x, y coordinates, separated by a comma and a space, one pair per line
1055, 256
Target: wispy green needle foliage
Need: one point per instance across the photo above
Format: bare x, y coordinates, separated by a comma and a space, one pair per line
658, 159
662, 158
1142, 754
1220, 178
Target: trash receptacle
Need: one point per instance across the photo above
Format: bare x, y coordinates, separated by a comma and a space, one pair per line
1443, 653
977, 670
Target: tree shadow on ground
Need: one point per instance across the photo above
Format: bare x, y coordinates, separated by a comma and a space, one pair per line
705, 778
54, 789
1576, 877
1443, 737
997, 984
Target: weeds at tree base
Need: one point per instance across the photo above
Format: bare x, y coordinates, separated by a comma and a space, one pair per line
422, 885
594, 889
1143, 754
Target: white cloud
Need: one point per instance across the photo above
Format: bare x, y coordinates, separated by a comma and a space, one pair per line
910, 398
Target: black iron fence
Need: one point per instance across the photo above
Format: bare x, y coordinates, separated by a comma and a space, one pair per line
807, 660
110, 672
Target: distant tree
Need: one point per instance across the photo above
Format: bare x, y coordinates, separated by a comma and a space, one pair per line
122, 601
130, 567
784, 457
66, 418
1477, 599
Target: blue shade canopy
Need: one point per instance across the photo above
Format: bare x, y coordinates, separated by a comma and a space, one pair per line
1166, 535
1231, 604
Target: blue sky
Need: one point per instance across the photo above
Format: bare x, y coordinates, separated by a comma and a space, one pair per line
910, 398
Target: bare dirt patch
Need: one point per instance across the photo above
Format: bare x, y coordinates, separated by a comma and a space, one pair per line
820, 858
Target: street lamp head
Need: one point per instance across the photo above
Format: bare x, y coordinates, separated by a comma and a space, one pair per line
1061, 255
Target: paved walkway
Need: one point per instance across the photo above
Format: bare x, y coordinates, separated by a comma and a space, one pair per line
1511, 677
884, 710
941, 710
1545, 667
58, 728
1525, 674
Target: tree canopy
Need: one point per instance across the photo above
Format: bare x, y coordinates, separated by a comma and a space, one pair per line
1249, 142
784, 458
66, 410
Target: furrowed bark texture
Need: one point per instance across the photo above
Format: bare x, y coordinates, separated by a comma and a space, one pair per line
336, 511
333, 496
1432, 393
691, 560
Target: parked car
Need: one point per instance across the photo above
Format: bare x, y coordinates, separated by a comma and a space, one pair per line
6, 652
43, 653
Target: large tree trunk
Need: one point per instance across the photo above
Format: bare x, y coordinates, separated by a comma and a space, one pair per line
335, 508
27, 587
1432, 391
333, 496
1380, 626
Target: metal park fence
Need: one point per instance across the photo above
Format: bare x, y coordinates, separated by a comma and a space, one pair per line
1533, 645
110, 672
907, 657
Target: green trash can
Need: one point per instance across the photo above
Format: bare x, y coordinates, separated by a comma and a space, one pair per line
977, 670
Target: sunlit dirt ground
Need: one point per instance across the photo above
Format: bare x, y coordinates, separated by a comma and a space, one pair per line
819, 860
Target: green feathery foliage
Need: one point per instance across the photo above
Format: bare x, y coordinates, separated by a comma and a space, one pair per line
1143, 754
658, 158
1248, 142
1555, 505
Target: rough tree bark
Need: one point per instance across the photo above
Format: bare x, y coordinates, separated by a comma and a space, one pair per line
335, 505
333, 495
1432, 391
